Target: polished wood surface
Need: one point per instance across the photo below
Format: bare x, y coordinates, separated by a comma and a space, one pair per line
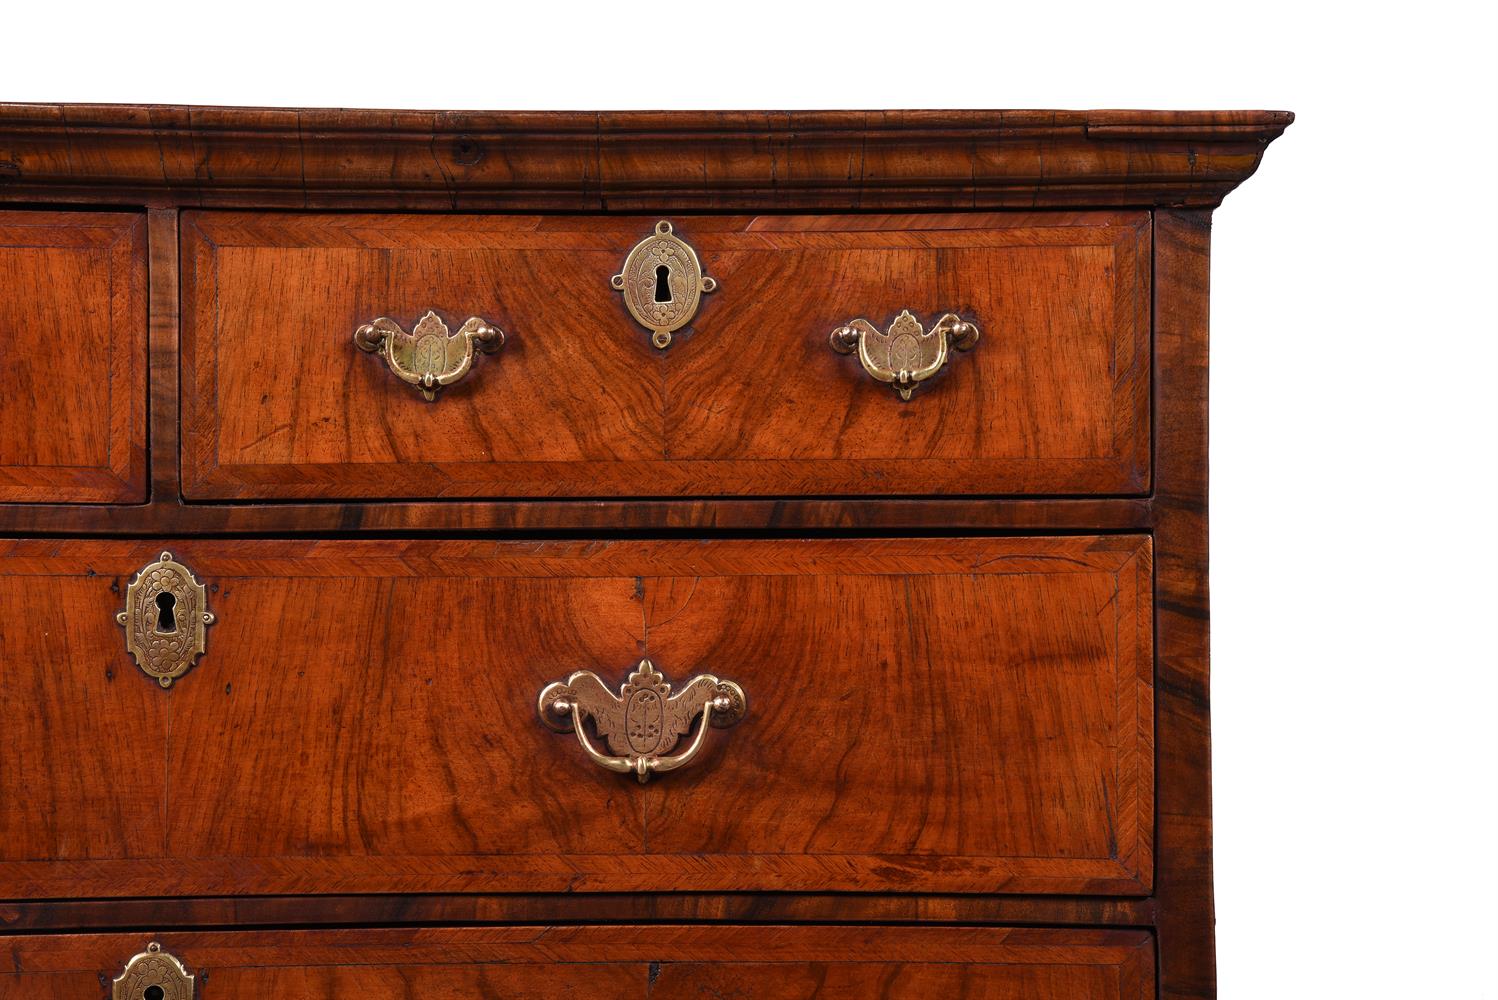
72, 357
706, 518
1186, 921
748, 401
628, 161
947, 715
412, 909
128, 789
661, 962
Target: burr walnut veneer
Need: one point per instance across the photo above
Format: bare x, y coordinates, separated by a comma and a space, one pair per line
626, 555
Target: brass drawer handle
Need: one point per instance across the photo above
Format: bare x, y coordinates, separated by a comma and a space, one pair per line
153, 975
429, 357
644, 720
907, 355
663, 283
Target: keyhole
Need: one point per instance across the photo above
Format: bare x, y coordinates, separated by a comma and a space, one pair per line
662, 283
166, 613
155, 993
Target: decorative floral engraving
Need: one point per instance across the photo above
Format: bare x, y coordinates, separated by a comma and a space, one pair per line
165, 619
663, 283
153, 975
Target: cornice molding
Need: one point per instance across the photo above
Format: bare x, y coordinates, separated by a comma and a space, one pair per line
626, 161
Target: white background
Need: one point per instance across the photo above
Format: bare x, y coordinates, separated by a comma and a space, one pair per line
1354, 353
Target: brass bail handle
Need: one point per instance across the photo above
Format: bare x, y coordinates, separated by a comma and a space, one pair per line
644, 721
429, 357
907, 354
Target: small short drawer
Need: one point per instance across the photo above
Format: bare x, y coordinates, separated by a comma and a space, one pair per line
659, 961
378, 716
519, 356
72, 357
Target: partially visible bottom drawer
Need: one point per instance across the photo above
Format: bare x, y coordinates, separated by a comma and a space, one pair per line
662, 962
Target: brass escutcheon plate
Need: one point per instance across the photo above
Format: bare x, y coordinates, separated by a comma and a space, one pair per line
153, 975
166, 618
663, 283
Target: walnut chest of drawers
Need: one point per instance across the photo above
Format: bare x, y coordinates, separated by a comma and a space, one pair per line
624, 555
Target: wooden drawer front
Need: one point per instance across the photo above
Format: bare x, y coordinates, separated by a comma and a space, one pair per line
964, 715
661, 962
749, 400
72, 357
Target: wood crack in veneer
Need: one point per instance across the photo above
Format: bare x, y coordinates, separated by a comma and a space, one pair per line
970, 625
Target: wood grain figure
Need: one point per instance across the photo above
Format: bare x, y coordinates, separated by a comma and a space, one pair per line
955, 555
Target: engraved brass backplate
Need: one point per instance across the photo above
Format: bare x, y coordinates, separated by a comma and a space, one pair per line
663, 283
429, 357
166, 618
906, 355
644, 721
153, 975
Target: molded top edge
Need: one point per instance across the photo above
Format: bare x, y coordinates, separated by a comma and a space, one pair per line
626, 160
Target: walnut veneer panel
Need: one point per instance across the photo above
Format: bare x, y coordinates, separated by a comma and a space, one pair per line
661, 962
963, 715
748, 401
73, 354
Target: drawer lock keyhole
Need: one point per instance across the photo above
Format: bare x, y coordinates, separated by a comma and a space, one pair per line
166, 613
663, 284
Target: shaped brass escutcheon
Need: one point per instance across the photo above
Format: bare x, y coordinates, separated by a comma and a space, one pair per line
153, 975
165, 619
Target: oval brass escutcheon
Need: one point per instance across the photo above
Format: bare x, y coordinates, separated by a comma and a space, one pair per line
165, 619
153, 975
663, 283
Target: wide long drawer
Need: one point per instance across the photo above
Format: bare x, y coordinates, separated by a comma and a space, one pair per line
749, 398
966, 715
661, 962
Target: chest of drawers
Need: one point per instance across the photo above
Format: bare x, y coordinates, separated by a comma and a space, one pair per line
618, 555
